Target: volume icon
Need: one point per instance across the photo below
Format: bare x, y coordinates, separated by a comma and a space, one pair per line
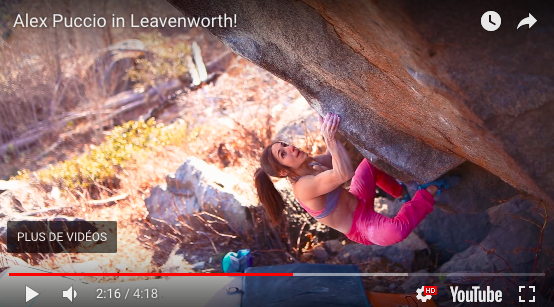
70, 294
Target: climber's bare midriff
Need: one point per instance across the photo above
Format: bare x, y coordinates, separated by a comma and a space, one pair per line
341, 218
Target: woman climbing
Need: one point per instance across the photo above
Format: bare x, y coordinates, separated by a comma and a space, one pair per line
317, 184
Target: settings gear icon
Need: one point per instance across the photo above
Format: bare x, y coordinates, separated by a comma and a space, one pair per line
420, 297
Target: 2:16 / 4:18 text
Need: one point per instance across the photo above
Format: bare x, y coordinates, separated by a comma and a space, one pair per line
124, 294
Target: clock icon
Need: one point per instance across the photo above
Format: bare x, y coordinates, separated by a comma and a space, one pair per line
490, 21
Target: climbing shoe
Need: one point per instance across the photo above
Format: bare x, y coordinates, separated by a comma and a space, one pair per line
407, 197
443, 183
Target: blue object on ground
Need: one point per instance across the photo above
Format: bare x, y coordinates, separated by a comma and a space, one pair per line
237, 262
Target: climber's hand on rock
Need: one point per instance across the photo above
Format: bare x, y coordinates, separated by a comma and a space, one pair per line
329, 127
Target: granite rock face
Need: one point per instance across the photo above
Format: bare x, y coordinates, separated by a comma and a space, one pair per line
405, 253
197, 186
421, 87
446, 234
519, 241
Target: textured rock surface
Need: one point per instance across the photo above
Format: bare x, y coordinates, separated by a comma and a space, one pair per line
21, 201
421, 87
457, 231
18, 197
197, 186
404, 253
333, 247
511, 244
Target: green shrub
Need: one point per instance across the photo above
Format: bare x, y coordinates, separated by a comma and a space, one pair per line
118, 149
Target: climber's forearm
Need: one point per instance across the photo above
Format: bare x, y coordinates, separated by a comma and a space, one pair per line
341, 162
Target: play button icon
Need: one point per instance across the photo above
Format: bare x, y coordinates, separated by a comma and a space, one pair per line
30, 294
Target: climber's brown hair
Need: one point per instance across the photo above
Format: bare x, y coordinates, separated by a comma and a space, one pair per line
268, 195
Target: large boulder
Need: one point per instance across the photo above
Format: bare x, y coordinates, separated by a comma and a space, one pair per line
19, 197
520, 241
447, 234
406, 253
17, 200
198, 186
421, 87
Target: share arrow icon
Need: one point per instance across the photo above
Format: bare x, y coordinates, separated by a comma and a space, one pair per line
527, 21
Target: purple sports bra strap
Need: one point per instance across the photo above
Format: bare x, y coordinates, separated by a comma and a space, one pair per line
331, 201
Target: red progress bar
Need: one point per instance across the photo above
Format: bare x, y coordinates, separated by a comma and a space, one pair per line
151, 274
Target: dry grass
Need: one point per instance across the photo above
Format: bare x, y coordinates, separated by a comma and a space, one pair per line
242, 101
135, 251
44, 70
